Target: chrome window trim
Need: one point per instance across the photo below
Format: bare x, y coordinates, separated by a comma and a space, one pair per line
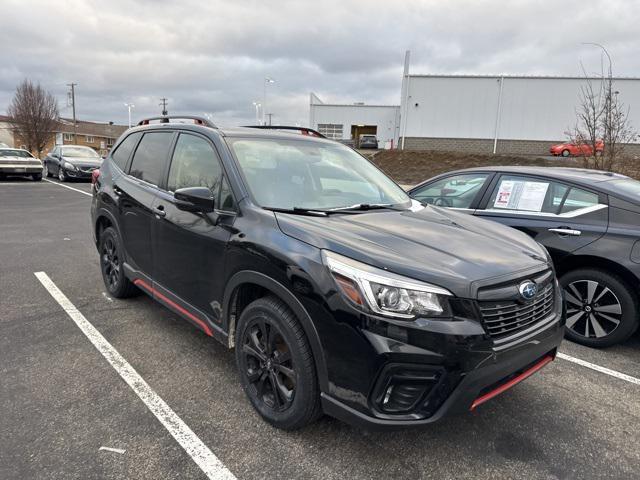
573, 214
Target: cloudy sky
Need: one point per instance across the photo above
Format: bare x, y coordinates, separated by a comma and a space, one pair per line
209, 56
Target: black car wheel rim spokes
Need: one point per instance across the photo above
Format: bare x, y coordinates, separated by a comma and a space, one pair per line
110, 263
268, 365
593, 310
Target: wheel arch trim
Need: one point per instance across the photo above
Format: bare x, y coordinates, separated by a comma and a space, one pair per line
283, 293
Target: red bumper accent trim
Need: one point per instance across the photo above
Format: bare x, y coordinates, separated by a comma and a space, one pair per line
141, 283
514, 381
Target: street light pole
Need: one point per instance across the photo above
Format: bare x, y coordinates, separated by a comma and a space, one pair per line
264, 96
129, 107
257, 105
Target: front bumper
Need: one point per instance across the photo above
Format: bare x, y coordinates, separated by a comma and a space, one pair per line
79, 174
17, 169
462, 391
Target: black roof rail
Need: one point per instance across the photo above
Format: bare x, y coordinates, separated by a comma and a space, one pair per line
304, 130
167, 119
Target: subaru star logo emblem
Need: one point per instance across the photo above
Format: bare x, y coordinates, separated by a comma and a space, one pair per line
528, 290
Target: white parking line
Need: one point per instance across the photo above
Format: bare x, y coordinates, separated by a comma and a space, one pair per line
67, 186
197, 450
598, 368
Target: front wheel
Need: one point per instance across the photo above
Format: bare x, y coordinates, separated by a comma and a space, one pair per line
276, 365
565, 153
602, 310
36, 177
45, 171
61, 175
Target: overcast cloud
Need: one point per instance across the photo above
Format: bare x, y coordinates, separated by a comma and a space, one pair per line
212, 56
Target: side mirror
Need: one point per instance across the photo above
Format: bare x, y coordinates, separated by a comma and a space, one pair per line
194, 199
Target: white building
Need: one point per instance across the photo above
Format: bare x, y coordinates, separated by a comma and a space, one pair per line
514, 114
348, 122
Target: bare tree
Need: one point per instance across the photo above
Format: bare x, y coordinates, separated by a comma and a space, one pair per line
602, 124
34, 114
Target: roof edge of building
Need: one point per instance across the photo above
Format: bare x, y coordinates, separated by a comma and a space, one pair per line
553, 77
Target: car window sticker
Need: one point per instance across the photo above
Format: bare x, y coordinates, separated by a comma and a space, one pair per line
521, 195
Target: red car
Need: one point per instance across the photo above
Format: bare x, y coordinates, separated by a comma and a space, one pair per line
571, 149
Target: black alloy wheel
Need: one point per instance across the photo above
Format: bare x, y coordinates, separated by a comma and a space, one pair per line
112, 265
276, 365
268, 364
601, 311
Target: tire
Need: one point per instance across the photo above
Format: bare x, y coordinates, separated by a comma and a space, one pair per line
602, 310
36, 177
61, 175
273, 355
45, 171
112, 265
565, 153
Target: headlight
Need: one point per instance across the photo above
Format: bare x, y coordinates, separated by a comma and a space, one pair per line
69, 166
385, 293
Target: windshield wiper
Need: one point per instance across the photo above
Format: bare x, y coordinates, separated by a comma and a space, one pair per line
300, 211
362, 206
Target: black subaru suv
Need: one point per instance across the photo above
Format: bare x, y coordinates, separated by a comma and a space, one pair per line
338, 292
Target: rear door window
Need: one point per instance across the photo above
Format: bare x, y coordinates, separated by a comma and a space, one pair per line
534, 195
577, 199
121, 155
150, 159
457, 191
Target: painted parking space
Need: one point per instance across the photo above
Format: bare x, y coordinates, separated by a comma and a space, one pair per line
568, 421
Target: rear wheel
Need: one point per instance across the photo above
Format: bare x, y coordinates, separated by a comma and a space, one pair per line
276, 365
112, 265
36, 177
602, 310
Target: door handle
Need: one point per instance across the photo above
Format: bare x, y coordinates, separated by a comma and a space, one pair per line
160, 212
566, 231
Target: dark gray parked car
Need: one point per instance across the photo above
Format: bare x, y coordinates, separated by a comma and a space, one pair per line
71, 161
588, 220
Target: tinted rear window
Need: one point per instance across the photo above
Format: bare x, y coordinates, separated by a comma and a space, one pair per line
123, 152
151, 156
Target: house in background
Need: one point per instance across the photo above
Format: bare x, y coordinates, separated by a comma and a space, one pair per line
99, 136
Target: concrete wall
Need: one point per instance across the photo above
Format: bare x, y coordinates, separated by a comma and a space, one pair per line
483, 145
473, 107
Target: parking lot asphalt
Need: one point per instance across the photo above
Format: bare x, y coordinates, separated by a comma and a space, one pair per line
62, 401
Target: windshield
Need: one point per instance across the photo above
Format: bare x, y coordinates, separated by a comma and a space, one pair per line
15, 153
312, 175
79, 152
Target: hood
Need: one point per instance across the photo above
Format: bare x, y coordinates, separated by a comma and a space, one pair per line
83, 161
442, 247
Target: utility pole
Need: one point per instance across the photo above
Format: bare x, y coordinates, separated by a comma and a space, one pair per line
269, 115
163, 104
73, 108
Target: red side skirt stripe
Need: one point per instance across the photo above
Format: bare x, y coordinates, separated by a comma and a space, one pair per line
514, 381
141, 283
